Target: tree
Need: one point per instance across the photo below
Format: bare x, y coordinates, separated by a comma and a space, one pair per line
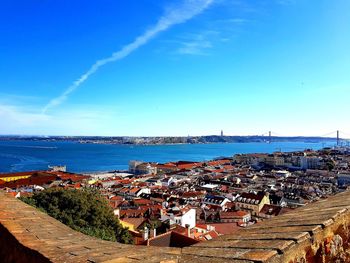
330, 165
83, 210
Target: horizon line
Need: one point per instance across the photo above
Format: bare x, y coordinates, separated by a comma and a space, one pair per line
172, 136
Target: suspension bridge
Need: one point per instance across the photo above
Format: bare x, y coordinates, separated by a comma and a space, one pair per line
340, 138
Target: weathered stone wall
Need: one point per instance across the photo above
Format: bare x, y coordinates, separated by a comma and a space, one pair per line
315, 233
27, 233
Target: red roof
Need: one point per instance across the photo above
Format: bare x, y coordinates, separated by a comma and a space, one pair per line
134, 190
203, 226
272, 210
142, 202
170, 239
187, 165
133, 212
167, 166
12, 194
207, 236
126, 181
224, 188
192, 194
234, 214
124, 190
114, 203
116, 198
219, 162
73, 177
155, 207
179, 229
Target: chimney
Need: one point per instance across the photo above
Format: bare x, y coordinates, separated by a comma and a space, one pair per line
188, 230
153, 232
145, 233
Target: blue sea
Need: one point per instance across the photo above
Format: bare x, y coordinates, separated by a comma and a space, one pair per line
16, 156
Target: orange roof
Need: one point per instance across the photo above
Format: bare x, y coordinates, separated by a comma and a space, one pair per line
219, 162
19, 174
205, 236
155, 207
169, 164
116, 198
166, 167
133, 212
203, 226
188, 165
180, 229
124, 190
126, 181
134, 190
239, 213
39, 179
73, 177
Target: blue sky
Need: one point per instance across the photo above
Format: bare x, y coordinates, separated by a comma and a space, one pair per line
179, 67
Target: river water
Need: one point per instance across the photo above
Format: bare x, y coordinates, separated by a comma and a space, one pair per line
18, 156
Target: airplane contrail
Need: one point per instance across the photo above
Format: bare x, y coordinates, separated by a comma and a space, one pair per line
187, 10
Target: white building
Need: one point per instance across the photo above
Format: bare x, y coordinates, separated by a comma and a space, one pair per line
185, 217
134, 191
169, 181
282, 173
210, 187
133, 164
309, 162
216, 201
58, 168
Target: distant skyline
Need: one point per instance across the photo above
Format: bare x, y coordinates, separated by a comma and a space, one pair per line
174, 68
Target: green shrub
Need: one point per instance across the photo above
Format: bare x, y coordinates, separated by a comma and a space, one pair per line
83, 210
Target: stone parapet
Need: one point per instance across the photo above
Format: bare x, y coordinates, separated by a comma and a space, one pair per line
318, 232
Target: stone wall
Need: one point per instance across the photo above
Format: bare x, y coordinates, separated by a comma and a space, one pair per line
318, 232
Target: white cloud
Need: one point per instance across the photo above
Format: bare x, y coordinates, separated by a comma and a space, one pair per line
14, 116
80, 120
237, 20
197, 45
177, 15
217, 31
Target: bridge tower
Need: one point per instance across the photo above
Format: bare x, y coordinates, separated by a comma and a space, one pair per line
338, 139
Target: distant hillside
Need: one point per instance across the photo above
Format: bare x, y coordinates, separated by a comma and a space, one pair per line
169, 139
